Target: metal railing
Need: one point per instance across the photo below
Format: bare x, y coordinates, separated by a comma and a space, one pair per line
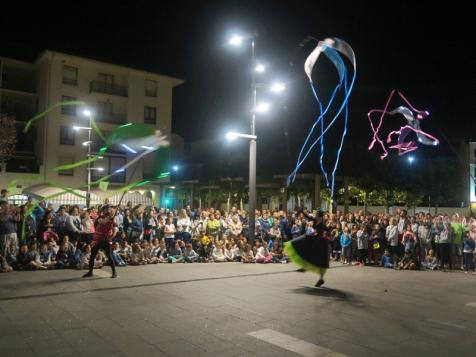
108, 88
112, 118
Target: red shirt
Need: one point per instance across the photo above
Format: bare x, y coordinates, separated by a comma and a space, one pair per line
104, 231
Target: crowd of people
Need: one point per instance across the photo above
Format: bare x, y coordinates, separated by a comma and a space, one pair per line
61, 238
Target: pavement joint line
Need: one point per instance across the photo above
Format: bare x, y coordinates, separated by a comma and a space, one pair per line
135, 286
293, 344
446, 324
471, 304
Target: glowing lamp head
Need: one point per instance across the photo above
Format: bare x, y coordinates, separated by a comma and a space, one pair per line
231, 135
236, 40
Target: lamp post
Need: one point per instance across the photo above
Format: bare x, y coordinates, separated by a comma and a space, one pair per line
87, 113
256, 108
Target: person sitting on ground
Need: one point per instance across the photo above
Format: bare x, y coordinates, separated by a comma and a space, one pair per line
248, 256
387, 261
228, 252
12, 255
4, 266
47, 256
407, 262
116, 255
237, 251
263, 255
84, 263
190, 256
278, 253
64, 257
205, 251
137, 255
26, 259
430, 262
217, 253
162, 254
149, 255
175, 254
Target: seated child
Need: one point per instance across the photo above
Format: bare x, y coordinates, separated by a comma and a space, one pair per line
407, 262
190, 256
175, 254
430, 262
386, 261
217, 254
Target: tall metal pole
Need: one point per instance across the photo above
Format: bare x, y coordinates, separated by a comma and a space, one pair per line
252, 179
88, 194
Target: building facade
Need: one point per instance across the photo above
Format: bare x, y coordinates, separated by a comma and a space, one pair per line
472, 175
114, 94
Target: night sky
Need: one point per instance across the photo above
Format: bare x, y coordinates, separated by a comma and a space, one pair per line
422, 48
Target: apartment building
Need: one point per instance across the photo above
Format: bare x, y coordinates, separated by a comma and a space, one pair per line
472, 174
116, 95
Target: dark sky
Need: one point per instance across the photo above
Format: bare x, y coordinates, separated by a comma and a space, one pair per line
421, 47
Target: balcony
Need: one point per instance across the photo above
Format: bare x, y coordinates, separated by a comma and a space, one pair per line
112, 118
108, 88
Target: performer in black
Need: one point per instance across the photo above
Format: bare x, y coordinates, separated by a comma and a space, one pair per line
102, 239
310, 252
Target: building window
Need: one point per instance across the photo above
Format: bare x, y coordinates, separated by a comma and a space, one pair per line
70, 75
107, 79
68, 109
66, 135
150, 88
66, 160
104, 109
150, 116
110, 164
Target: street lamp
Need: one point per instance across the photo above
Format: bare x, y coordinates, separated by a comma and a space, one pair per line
278, 87
257, 67
87, 113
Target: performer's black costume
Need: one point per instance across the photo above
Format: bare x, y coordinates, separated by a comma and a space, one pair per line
311, 252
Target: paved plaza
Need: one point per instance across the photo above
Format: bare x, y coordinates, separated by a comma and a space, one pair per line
233, 309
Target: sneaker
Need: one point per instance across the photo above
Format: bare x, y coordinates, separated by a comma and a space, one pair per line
319, 283
301, 270
113, 276
88, 275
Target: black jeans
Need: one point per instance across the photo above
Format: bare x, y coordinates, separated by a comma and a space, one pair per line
445, 255
468, 261
108, 250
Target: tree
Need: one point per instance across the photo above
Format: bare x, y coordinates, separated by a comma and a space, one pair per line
8, 139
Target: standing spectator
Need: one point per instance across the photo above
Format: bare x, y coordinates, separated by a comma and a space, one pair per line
392, 237
468, 251
184, 226
169, 233
9, 217
74, 227
362, 244
458, 230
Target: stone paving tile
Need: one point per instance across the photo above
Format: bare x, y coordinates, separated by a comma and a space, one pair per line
181, 347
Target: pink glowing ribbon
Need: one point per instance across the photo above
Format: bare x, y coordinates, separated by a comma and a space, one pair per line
413, 125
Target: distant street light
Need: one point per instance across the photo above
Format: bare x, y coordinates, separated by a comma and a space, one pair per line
259, 68
236, 40
411, 159
262, 107
231, 135
278, 87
